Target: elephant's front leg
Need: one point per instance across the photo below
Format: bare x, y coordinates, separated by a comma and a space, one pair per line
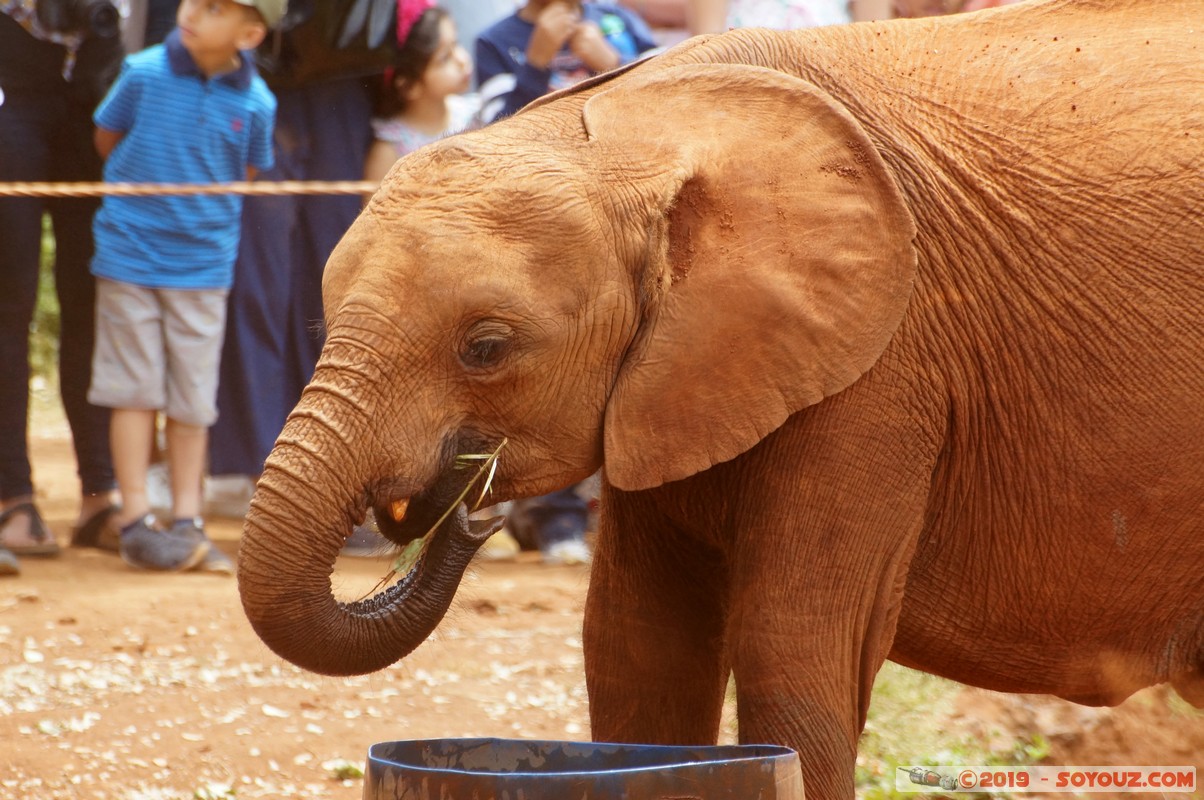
817, 585
654, 627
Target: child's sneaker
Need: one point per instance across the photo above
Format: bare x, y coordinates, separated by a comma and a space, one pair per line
570, 552
215, 560
144, 546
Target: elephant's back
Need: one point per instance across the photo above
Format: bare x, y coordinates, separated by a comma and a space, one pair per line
1079, 122
1064, 93
1052, 155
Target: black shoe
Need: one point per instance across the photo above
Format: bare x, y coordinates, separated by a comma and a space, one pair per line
41, 540
99, 531
142, 545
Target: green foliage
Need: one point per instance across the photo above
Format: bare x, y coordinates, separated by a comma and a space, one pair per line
341, 769
44, 331
1181, 708
908, 725
486, 464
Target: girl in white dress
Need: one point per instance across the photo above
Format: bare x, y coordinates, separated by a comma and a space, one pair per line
716, 16
425, 97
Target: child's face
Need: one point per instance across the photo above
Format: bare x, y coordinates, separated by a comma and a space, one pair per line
450, 68
212, 29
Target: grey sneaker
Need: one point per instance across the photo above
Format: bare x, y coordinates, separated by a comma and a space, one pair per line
215, 560
9, 565
571, 552
142, 545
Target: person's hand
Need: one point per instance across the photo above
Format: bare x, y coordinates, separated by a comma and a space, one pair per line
589, 45
553, 27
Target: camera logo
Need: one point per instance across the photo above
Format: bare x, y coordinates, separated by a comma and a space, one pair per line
927, 777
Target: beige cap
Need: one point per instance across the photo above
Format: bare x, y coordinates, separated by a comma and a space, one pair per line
271, 10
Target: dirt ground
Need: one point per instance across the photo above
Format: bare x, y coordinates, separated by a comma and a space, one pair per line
121, 684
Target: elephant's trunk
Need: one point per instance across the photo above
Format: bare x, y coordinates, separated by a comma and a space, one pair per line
291, 540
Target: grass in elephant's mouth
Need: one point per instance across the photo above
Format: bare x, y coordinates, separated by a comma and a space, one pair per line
486, 464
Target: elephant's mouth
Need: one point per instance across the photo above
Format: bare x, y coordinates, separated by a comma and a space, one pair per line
296, 610
402, 519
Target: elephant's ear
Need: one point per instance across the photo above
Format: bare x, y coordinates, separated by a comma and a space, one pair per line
780, 261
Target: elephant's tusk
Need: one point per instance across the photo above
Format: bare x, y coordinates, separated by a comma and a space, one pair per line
398, 509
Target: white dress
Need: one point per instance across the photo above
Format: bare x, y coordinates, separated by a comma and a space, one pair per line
464, 109
784, 14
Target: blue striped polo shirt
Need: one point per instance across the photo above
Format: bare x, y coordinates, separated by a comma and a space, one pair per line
180, 127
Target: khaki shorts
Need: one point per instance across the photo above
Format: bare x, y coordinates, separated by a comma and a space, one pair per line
158, 349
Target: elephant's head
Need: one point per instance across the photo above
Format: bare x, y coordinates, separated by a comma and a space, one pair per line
649, 273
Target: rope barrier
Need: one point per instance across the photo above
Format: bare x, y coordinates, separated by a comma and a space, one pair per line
97, 189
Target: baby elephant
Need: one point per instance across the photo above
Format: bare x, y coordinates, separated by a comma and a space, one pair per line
888, 338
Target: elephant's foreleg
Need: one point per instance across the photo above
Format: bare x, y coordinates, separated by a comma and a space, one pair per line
804, 665
654, 654
818, 576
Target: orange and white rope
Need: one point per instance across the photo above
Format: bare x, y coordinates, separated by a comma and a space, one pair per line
99, 189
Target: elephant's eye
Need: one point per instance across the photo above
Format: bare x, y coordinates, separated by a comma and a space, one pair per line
486, 346
483, 352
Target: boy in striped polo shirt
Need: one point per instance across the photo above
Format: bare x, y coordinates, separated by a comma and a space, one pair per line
192, 110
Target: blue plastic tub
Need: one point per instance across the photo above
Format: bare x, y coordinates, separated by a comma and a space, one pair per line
520, 769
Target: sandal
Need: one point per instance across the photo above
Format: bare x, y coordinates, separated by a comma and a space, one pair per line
99, 531
41, 540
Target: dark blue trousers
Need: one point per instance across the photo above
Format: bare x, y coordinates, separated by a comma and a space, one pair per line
274, 325
46, 134
540, 522
558, 517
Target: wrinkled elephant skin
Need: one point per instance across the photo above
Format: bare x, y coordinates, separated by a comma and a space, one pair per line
887, 336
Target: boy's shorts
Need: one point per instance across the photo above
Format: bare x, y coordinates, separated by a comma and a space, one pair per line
158, 349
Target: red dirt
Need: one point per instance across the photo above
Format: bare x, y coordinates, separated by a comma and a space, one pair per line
116, 683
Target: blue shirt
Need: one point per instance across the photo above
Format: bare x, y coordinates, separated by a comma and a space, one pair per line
180, 127
502, 49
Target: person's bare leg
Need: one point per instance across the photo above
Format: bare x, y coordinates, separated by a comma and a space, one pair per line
131, 432
186, 446
92, 504
148, 548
